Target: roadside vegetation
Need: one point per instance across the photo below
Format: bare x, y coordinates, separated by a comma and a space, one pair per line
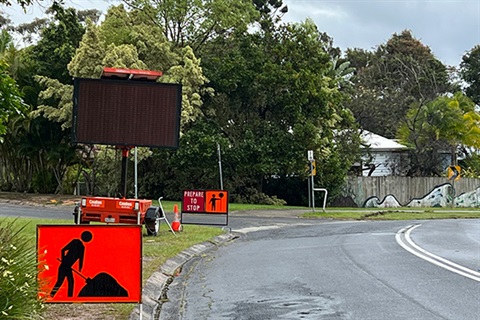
261, 90
18, 282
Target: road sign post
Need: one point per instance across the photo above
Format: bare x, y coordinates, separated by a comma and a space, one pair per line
453, 173
311, 194
311, 182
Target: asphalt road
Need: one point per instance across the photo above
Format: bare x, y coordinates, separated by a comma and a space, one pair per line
333, 270
283, 267
47, 212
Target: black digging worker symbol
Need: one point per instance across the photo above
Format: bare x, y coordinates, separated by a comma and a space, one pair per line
102, 285
74, 251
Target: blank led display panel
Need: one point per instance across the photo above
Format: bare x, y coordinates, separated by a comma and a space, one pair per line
126, 113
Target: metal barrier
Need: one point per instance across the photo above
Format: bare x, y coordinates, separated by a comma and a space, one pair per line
324, 199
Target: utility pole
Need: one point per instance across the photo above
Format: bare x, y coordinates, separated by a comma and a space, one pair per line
220, 165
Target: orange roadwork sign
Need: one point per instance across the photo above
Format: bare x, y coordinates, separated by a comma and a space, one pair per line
453, 173
89, 264
216, 201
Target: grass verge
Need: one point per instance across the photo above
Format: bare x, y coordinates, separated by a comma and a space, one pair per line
156, 251
394, 213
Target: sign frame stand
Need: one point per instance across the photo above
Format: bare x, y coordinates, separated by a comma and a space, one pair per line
311, 182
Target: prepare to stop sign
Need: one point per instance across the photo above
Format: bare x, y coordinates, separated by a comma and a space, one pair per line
193, 201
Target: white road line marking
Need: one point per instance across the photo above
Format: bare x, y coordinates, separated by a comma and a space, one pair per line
411, 247
270, 227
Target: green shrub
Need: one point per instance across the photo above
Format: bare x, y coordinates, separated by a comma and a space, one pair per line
253, 196
18, 282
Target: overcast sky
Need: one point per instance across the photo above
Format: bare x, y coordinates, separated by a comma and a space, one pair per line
449, 27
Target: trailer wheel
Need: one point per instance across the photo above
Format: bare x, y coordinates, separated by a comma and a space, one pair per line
152, 228
81, 221
152, 222
76, 212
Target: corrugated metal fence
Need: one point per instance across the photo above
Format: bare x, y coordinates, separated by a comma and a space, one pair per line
403, 188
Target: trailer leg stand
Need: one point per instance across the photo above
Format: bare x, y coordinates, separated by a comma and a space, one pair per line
164, 216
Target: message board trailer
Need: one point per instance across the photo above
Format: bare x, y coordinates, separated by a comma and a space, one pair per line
89, 264
126, 108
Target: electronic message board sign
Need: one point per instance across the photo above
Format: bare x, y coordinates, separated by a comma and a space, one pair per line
126, 113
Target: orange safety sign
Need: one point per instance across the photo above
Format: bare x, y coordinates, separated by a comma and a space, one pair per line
313, 168
90, 264
453, 173
216, 201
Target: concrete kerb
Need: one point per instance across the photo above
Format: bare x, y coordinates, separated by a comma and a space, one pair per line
155, 290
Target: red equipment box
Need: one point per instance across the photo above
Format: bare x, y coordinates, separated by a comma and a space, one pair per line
112, 210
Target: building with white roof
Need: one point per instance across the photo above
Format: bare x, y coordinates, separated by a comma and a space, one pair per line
383, 156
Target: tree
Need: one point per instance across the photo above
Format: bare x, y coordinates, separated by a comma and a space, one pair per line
36, 150
124, 40
444, 124
274, 100
12, 124
31, 30
22, 3
470, 73
267, 7
271, 12
4, 21
92, 15
58, 43
43, 143
193, 165
388, 81
86, 63
11, 102
6, 41
194, 22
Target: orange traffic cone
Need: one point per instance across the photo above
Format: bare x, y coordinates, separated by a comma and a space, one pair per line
176, 226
